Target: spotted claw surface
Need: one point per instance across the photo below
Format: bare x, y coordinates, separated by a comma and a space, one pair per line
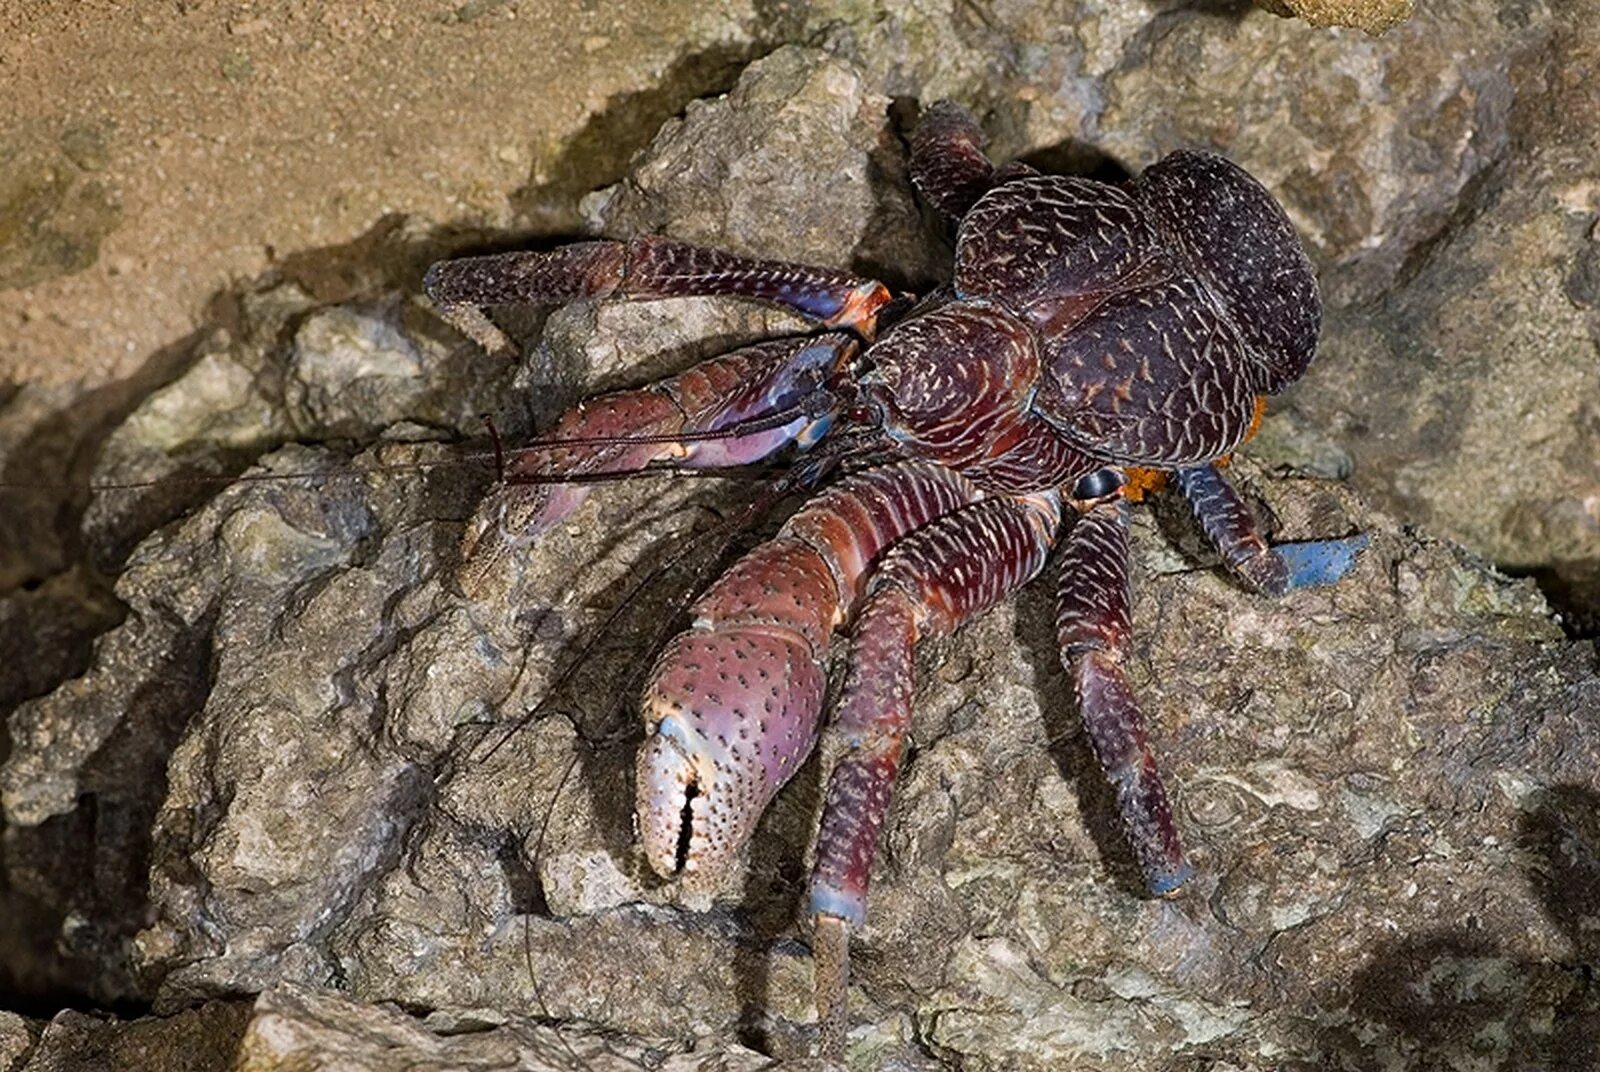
730, 715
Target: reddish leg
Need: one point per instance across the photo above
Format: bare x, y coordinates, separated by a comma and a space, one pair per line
733, 704
948, 165
654, 267
1229, 524
741, 399
1093, 625
745, 405
930, 583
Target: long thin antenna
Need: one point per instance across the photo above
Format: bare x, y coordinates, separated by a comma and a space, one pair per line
812, 404
725, 529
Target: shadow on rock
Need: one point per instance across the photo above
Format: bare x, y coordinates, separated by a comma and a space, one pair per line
1457, 1000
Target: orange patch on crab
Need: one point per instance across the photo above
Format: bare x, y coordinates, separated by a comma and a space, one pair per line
860, 310
1142, 482
1255, 419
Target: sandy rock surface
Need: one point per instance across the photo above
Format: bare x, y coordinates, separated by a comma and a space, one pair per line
284, 759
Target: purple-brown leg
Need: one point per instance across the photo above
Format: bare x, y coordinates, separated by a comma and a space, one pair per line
734, 702
1230, 525
653, 267
1093, 624
948, 165
930, 583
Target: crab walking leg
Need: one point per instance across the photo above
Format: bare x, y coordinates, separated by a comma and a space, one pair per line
930, 583
625, 431
732, 707
1093, 624
1229, 524
948, 165
651, 267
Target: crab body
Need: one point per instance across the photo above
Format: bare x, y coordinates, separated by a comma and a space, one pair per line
1089, 329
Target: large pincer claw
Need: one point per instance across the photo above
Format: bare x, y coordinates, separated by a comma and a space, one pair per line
731, 716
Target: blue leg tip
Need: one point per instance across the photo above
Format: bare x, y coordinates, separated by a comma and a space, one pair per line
1319, 562
1168, 881
842, 904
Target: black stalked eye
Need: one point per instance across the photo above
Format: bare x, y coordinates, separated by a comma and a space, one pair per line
1097, 485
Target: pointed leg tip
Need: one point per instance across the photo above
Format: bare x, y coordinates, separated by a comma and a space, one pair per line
1320, 562
839, 904
1169, 881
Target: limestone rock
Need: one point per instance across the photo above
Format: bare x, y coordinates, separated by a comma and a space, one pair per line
294, 1028
1373, 16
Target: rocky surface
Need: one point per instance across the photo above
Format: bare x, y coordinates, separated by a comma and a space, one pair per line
1373, 16
202, 1039
287, 767
294, 1028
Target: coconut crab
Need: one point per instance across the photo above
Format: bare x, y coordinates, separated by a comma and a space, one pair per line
1094, 339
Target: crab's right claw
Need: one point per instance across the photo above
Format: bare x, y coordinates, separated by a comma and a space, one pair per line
731, 715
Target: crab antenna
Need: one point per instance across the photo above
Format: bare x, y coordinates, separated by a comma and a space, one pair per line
724, 531
499, 452
817, 401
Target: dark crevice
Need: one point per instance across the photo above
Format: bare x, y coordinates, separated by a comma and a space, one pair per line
1573, 591
82, 878
522, 879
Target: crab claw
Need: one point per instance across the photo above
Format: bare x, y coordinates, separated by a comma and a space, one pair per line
730, 714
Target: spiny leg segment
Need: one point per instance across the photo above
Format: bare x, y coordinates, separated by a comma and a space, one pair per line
729, 410
1093, 626
948, 165
733, 705
652, 267
930, 583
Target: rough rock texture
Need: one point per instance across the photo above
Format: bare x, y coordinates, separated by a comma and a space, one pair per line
294, 1028
201, 1039
793, 119
16, 1039
1373, 16
1470, 397
297, 731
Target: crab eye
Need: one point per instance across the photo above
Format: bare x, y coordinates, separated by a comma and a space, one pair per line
1097, 485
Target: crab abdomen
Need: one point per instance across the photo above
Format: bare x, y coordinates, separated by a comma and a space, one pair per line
1162, 308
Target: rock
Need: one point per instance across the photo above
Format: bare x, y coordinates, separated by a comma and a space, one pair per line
295, 1028
1373, 16
793, 128
1470, 397
16, 1039
202, 1039
1387, 781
